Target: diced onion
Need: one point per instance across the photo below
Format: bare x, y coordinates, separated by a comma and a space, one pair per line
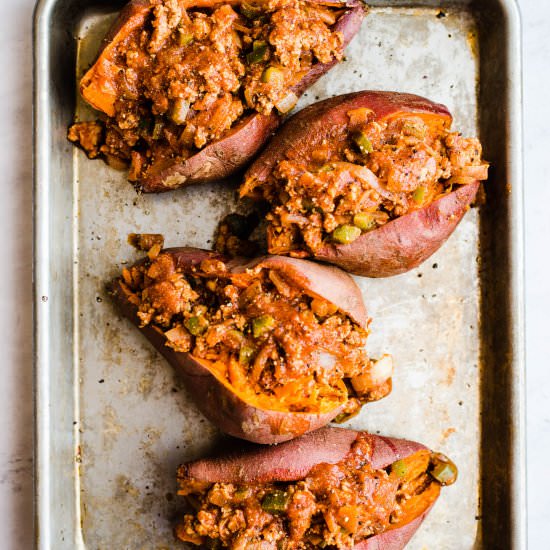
288, 218
382, 370
157, 129
281, 285
326, 360
287, 103
478, 172
180, 109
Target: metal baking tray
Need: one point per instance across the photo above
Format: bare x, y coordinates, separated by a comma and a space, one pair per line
112, 423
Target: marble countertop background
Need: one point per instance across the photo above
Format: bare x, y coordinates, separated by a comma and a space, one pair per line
16, 393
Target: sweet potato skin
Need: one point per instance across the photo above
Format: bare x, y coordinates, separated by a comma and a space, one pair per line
401, 244
320, 121
327, 282
216, 400
293, 460
218, 160
234, 151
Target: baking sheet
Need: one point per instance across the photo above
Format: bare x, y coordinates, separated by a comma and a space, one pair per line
113, 423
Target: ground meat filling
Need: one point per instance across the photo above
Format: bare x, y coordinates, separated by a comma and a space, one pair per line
187, 76
335, 507
372, 173
274, 345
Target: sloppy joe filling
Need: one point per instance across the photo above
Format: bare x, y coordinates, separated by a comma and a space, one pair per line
185, 77
273, 344
335, 507
367, 175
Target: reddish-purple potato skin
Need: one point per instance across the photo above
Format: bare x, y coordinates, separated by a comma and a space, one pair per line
401, 244
327, 282
233, 152
290, 461
219, 404
218, 160
404, 243
293, 460
321, 121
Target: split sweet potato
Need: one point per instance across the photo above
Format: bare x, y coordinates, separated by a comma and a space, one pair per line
373, 182
192, 90
269, 348
338, 488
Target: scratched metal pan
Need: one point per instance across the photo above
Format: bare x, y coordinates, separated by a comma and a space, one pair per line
112, 423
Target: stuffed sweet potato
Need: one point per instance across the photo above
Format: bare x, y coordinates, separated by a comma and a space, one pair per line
373, 182
191, 89
270, 348
333, 488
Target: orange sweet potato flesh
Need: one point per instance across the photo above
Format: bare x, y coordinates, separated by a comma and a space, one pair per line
291, 461
401, 244
214, 396
97, 86
234, 151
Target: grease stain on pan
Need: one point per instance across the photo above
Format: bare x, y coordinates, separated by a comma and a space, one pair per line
125, 488
145, 385
446, 434
140, 423
111, 427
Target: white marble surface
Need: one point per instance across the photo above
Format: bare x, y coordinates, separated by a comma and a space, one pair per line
16, 409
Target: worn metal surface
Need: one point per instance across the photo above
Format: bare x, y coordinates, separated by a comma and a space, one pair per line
112, 422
